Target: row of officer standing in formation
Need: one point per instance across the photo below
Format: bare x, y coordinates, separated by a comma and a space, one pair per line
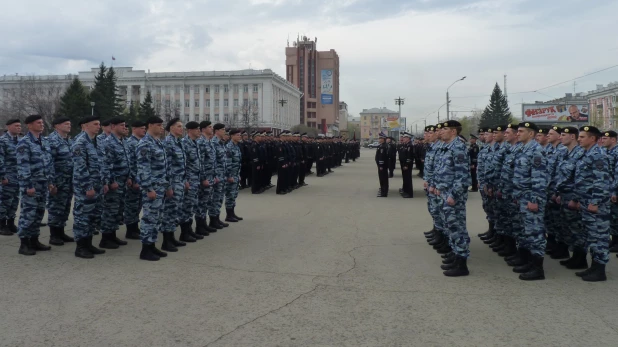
410, 152
544, 190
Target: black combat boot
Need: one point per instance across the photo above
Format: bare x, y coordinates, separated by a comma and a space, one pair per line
38, 246
223, 224
229, 216
25, 247
176, 242
509, 247
526, 262
521, 260
117, 241
82, 251
488, 232
184, 235
430, 232
10, 224
500, 246
155, 250
93, 249
64, 237
561, 251
450, 259
445, 249
460, 268
577, 262
167, 243
132, 232
447, 255
436, 240
551, 244
497, 242
596, 273
190, 230
200, 227
107, 241
54, 238
214, 224
147, 253
613, 246
4, 229
490, 240
536, 271
235, 215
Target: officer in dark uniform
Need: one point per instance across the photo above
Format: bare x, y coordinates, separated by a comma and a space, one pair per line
383, 161
392, 156
406, 160
473, 152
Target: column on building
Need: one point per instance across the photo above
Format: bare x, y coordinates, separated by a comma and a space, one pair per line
129, 94
260, 107
182, 103
212, 103
142, 92
221, 107
230, 103
192, 102
202, 89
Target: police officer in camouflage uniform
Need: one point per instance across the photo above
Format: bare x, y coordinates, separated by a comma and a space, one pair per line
207, 153
232, 175
176, 160
34, 173
133, 196
9, 185
89, 173
197, 181
59, 204
116, 160
216, 199
610, 138
553, 222
154, 179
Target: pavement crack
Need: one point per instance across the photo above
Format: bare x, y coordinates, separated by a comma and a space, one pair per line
264, 315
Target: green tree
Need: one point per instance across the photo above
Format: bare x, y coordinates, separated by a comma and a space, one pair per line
132, 113
107, 102
301, 128
497, 112
146, 110
75, 103
118, 105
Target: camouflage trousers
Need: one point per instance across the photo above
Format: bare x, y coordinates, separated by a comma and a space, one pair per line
435, 207
499, 210
553, 220
152, 216
571, 233
132, 206
9, 199
84, 212
59, 205
513, 227
189, 205
487, 207
173, 205
96, 221
532, 236
596, 227
216, 199
614, 219
231, 193
454, 218
112, 203
32, 210
203, 201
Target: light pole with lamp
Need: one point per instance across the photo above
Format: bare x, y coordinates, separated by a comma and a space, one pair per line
282, 102
448, 117
399, 101
92, 106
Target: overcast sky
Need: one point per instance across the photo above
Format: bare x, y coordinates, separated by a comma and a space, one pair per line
414, 49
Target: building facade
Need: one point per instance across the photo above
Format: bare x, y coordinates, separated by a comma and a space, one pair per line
603, 103
316, 74
343, 118
219, 96
376, 120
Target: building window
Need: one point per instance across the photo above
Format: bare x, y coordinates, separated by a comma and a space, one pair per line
186, 117
226, 88
197, 117
216, 102
197, 103
255, 88
158, 90
167, 90
226, 118
207, 116
255, 103
187, 103
245, 88
167, 103
207, 103
226, 102
235, 117
177, 90
177, 104
236, 88
216, 89
187, 90
217, 117
236, 102
245, 102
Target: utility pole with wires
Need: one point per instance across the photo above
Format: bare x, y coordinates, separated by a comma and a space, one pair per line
399, 101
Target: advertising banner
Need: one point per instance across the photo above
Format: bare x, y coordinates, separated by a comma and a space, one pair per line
554, 113
327, 87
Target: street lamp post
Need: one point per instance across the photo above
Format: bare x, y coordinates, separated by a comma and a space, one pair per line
399, 101
282, 102
92, 106
448, 116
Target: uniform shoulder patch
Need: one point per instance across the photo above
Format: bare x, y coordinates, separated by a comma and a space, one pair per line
21, 149
537, 160
143, 151
599, 164
77, 151
460, 157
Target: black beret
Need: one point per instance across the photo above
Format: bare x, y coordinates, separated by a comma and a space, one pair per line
60, 120
570, 130
171, 122
451, 124
482, 130
513, 126
88, 119
556, 129
192, 125
234, 131
489, 130
32, 118
610, 133
500, 128
12, 121
116, 121
542, 130
154, 120
590, 129
205, 124
463, 138
473, 137
138, 124
218, 126
105, 122
528, 125
429, 128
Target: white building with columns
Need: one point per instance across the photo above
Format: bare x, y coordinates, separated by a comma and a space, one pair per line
218, 96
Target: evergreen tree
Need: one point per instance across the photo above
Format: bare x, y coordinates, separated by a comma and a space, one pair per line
497, 112
132, 114
146, 110
75, 103
118, 106
103, 104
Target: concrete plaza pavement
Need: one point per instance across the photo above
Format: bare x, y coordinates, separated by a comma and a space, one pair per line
327, 265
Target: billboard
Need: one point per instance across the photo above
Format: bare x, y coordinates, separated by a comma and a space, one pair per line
327, 87
391, 122
555, 113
